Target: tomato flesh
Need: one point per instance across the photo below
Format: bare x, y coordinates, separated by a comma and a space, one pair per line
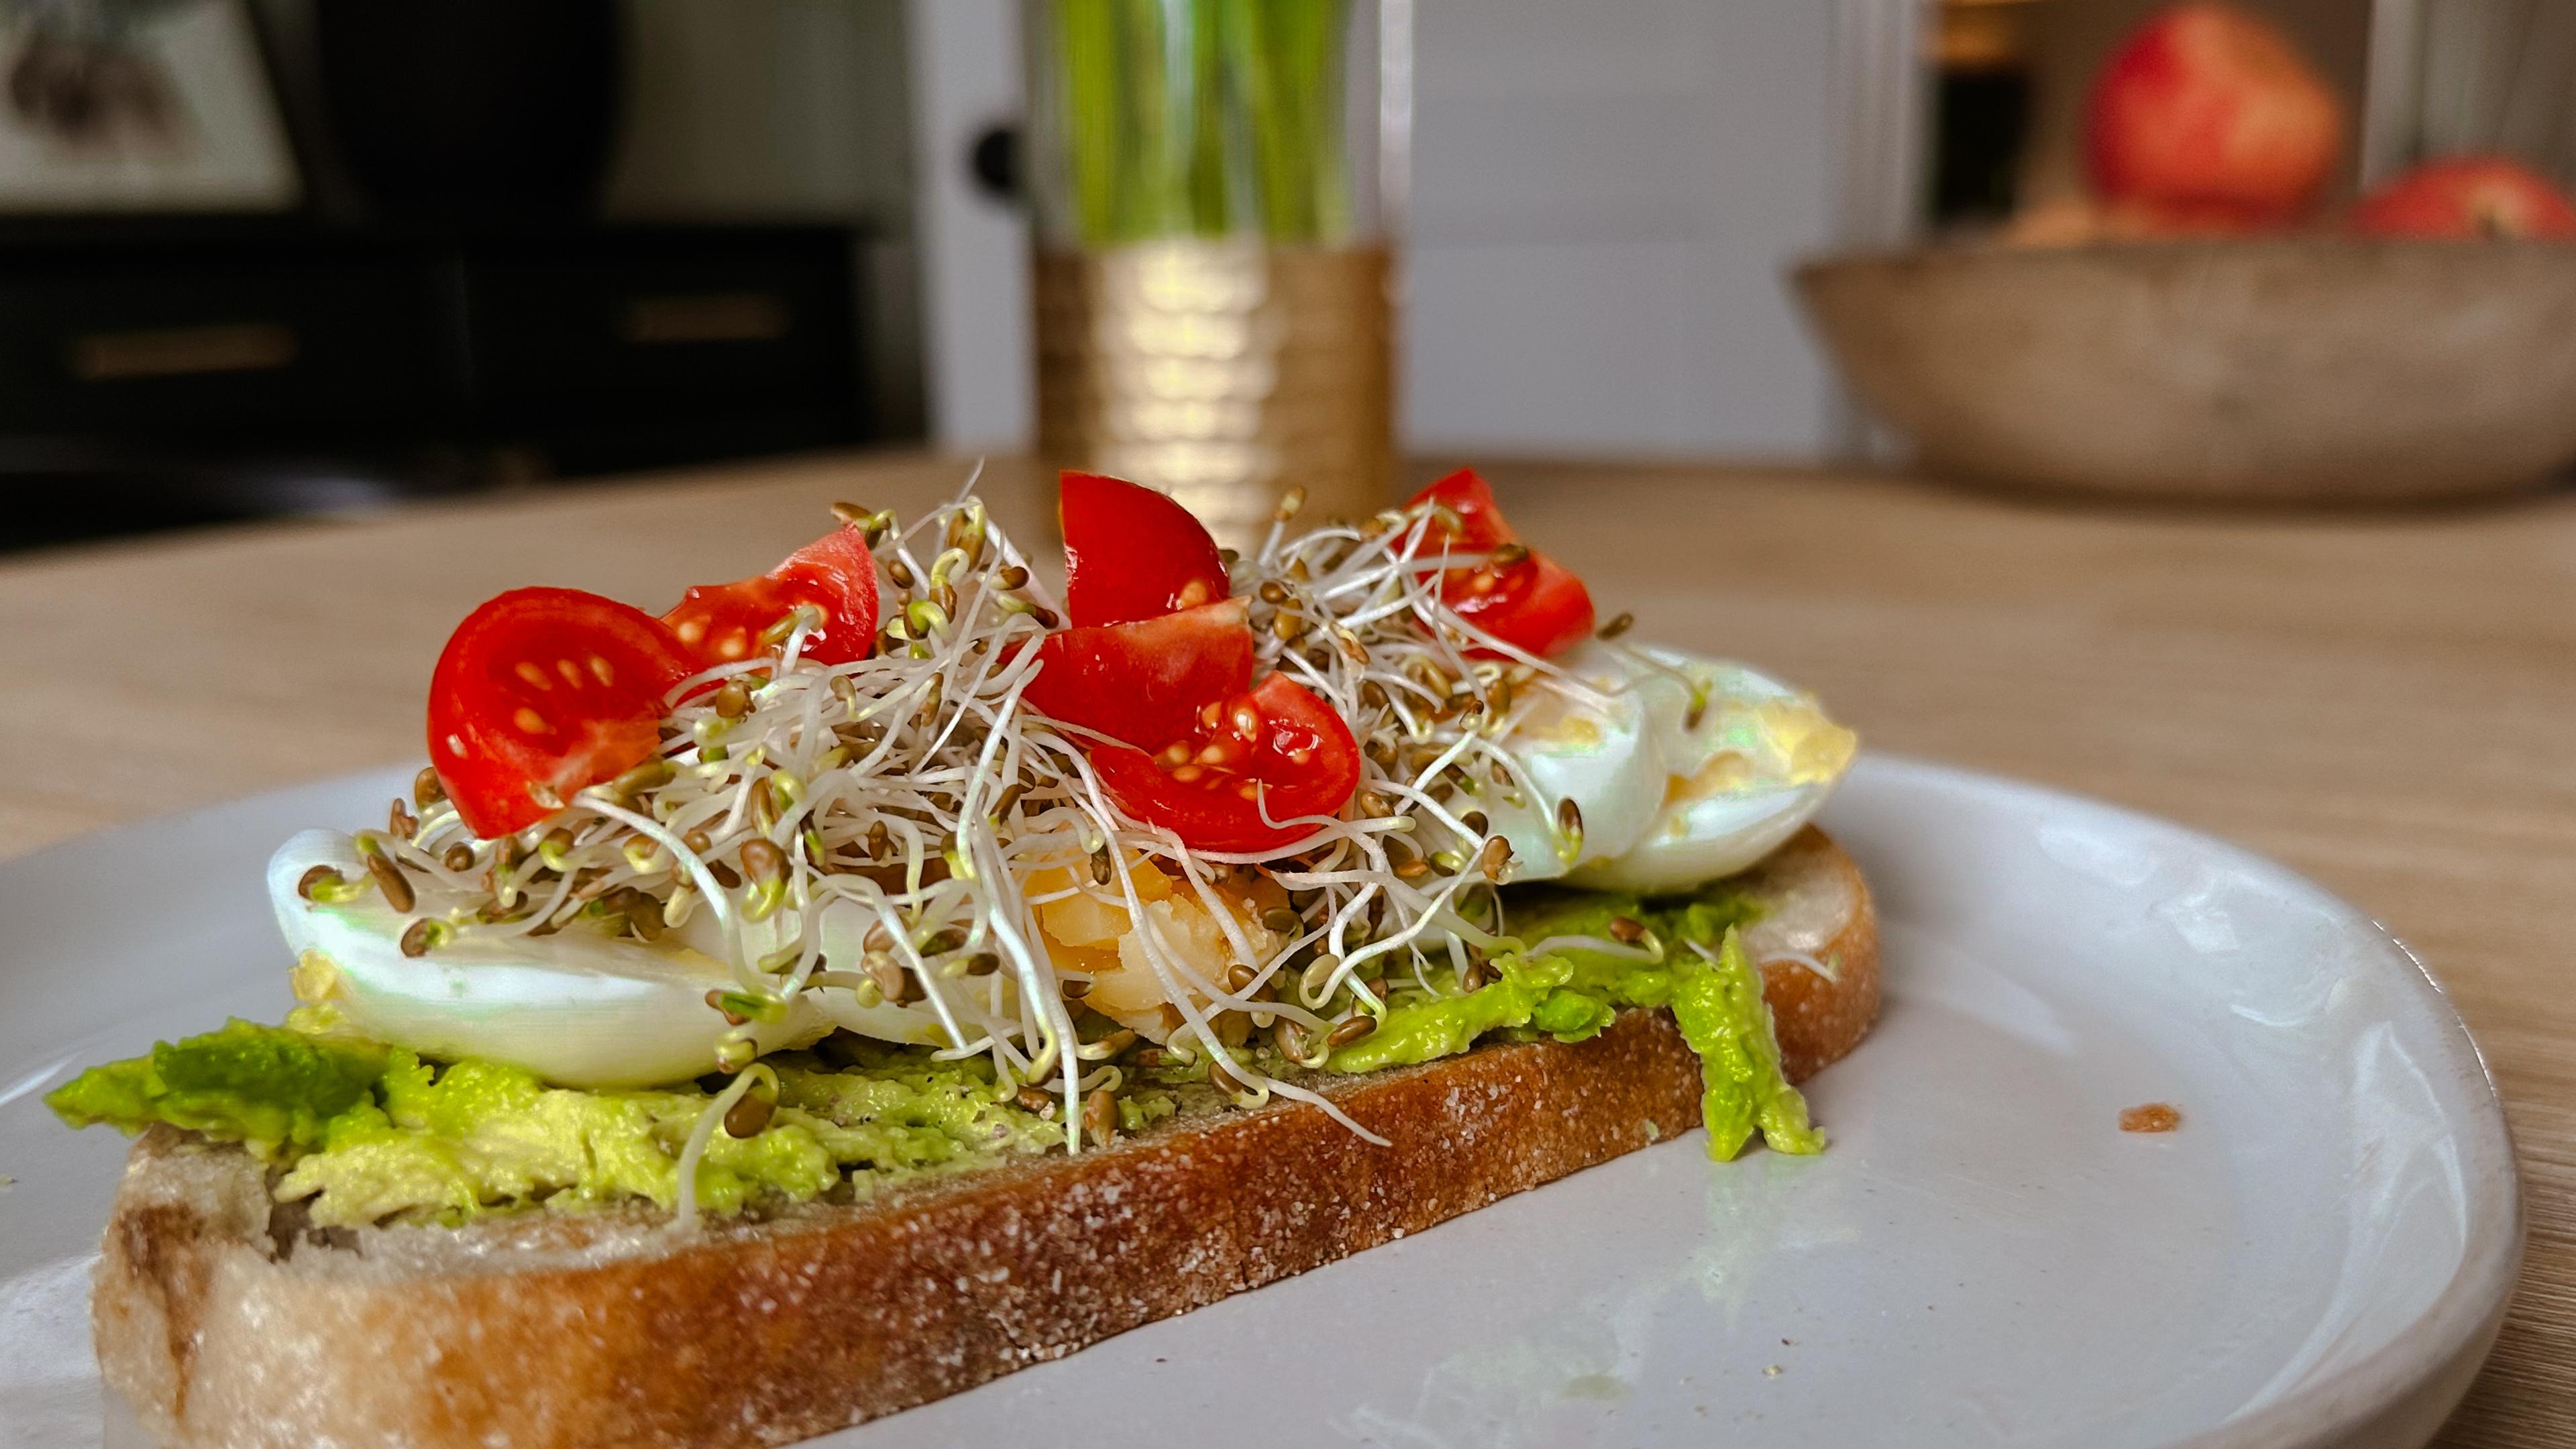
1143, 682
721, 623
1535, 604
1131, 553
1480, 519
1275, 746
543, 692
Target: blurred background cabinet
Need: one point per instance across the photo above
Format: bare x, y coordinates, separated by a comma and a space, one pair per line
519, 243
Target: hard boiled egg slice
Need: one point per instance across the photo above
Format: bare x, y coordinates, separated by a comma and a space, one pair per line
843, 928
1593, 745
1746, 760
578, 1008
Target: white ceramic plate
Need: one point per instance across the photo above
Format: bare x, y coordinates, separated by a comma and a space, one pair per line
2320, 1256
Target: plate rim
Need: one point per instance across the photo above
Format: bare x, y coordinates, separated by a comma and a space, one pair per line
2426, 1365
2452, 1336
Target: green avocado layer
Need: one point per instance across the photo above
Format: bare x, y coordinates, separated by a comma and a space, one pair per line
1571, 994
369, 1133
366, 1133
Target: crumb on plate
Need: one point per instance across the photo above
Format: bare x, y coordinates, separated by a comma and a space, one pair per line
2153, 1117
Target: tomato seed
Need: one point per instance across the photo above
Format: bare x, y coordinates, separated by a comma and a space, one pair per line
529, 722
536, 677
570, 671
600, 671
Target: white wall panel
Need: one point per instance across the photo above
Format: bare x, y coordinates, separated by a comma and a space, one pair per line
1604, 197
976, 366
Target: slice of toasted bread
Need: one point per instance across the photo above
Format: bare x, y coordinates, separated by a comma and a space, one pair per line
224, 1327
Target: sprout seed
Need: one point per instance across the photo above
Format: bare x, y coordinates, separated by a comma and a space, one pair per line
391, 880
748, 1115
1349, 1030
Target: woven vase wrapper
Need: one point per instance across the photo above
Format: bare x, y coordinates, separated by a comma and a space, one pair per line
1221, 372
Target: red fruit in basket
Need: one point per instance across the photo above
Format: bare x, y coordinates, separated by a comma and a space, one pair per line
2207, 112
2469, 198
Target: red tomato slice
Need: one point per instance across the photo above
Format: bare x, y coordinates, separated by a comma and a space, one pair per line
1535, 605
1131, 553
720, 623
1480, 519
1144, 682
546, 689
1275, 746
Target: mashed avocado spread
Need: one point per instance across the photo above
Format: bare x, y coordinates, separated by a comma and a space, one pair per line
1571, 994
366, 1133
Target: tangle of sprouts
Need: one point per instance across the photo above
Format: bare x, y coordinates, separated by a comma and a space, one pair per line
916, 788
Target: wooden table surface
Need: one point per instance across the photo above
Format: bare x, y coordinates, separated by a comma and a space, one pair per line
2387, 703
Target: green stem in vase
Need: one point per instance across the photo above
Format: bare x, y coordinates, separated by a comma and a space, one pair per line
1151, 96
1088, 54
1211, 179
1290, 70
1194, 117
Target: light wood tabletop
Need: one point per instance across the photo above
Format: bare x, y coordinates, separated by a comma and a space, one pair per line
2385, 702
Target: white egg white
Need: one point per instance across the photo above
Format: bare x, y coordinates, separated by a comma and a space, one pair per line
578, 1008
1684, 770
841, 933
1746, 762
1599, 754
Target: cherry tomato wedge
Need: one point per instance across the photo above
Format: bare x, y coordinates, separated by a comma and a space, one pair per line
720, 623
1533, 603
541, 692
1144, 682
1275, 747
1131, 553
1536, 606
1480, 519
